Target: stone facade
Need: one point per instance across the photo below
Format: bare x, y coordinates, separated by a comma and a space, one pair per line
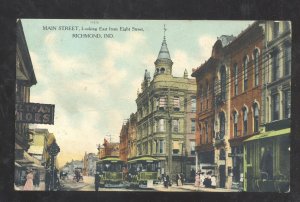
164, 115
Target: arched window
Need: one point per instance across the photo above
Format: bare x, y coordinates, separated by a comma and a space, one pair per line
235, 124
236, 72
245, 120
162, 70
255, 117
223, 83
245, 64
275, 65
222, 125
256, 54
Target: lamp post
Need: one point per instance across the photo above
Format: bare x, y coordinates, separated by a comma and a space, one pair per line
53, 151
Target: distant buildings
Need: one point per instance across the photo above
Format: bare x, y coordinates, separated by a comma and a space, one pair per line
89, 164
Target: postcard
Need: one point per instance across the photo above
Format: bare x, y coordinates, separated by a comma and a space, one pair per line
152, 105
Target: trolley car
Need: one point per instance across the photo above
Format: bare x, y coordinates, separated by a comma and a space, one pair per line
267, 162
143, 171
110, 171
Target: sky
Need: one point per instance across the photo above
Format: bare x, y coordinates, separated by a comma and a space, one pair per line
93, 82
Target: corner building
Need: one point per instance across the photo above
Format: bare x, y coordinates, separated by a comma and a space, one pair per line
166, 117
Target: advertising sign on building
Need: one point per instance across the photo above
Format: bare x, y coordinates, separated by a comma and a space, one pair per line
35, 113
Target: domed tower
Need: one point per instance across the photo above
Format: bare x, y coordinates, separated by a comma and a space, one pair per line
163, 63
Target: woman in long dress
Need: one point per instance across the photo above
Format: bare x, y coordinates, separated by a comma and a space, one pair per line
29, 181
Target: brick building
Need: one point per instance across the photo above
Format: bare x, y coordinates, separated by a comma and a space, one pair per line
246, 59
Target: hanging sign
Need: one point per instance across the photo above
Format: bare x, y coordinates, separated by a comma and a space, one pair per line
34, 113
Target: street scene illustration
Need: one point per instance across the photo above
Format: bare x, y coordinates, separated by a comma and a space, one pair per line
152, 105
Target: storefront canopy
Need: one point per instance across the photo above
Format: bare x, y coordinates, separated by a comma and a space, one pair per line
269, 134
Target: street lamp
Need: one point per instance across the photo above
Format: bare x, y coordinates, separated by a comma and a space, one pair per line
53, 151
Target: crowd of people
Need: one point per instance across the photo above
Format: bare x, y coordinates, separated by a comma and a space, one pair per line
205, 179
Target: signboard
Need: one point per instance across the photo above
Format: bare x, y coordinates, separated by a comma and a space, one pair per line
235, 155
34, 113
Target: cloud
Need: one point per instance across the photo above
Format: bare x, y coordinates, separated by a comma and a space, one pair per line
205, 43
182, 61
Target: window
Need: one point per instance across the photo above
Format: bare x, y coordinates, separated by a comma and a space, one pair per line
245, 120
236, 71
223, 83
255, 117
245, 73
175, 126
193, 125
193, 102
256, 72
161, 125
275, 66
275, 107
161, 146
235, 122
192, 144
222, 125
176, 104
287, 104
206, 132
176, 147
275, 29
162, 103
287, 60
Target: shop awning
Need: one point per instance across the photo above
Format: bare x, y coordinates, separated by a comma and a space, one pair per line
269, 134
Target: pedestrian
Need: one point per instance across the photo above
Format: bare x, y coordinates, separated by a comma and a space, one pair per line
193, 175
36, 179
97, 181
181, 178
197, 179
29, 181
168, 180
213, 181
202, 178
177, 178
165, 180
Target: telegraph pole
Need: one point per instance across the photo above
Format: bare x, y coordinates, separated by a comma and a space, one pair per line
170, 136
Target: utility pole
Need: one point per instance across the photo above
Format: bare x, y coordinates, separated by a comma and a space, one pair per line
170, 135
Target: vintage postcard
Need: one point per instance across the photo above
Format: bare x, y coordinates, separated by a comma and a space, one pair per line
152, 105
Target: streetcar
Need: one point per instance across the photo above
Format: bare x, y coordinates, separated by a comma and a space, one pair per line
267, 162
143, 172
111, 172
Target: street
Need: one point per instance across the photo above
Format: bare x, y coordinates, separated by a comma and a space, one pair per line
88, 185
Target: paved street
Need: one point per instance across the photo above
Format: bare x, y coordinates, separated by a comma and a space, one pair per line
88, 185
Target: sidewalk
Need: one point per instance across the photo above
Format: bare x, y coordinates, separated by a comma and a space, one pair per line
190, 187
